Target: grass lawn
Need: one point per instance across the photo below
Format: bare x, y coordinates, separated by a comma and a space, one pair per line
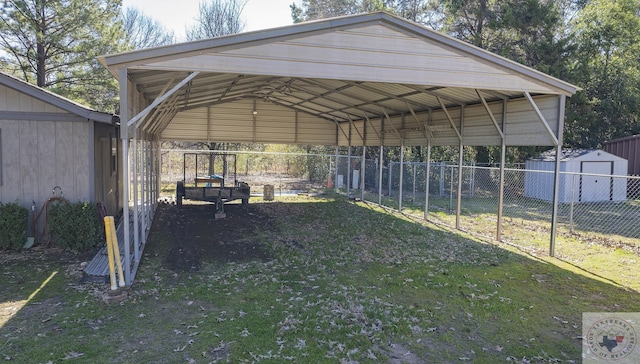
344, 282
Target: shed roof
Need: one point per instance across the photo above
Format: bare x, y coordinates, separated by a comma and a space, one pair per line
572, 154
314, 80
55, 100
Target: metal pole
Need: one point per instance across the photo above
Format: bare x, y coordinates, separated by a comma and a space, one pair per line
459, 197
460, 161
472, 181
390, 173
146, 190
556, 184
401, 172
451, 190
503, 153
426, 183
381, 162
414, 180
336, 170
124, 136
442, 176
573, 183
362, 185
136, 186
349, 169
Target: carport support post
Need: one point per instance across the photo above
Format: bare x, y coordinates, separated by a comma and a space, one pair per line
427, 172
503, 153
159, 167
556, 176
380, 175
335, 167
381, 161
136, 186
124, 136
401, 171
349, 168
364, 152
460, 162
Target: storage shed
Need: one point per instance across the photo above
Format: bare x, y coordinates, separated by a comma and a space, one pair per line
49, 144
585, 176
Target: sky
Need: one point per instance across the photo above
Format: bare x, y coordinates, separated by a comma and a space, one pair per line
176, 15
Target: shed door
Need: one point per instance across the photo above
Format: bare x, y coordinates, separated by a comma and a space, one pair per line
596, 188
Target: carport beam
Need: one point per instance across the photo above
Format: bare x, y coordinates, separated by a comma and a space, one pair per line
138, 118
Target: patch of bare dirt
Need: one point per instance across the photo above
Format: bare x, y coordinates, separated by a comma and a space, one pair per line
196, 236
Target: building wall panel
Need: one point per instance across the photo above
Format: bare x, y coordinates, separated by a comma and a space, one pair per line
44, 154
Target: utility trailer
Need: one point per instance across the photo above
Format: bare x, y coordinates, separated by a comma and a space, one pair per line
211, 177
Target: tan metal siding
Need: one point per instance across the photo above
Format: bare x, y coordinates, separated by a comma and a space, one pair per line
524, 128
233, 122
478, 129
314, 131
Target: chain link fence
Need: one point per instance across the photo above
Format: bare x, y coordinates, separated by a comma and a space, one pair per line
287, 172
593, 208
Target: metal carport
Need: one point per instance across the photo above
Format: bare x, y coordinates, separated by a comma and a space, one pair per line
363, 80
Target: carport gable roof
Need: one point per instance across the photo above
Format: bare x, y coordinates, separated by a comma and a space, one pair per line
339, 70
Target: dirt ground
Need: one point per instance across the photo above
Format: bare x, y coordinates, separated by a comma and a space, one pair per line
195, 236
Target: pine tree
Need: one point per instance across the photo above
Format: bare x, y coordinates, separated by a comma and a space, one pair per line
54, 44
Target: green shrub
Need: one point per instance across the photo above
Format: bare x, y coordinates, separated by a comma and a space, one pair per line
75, 226
13, 226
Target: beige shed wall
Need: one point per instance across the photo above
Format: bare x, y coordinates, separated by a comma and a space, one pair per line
12, 100
39, 155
